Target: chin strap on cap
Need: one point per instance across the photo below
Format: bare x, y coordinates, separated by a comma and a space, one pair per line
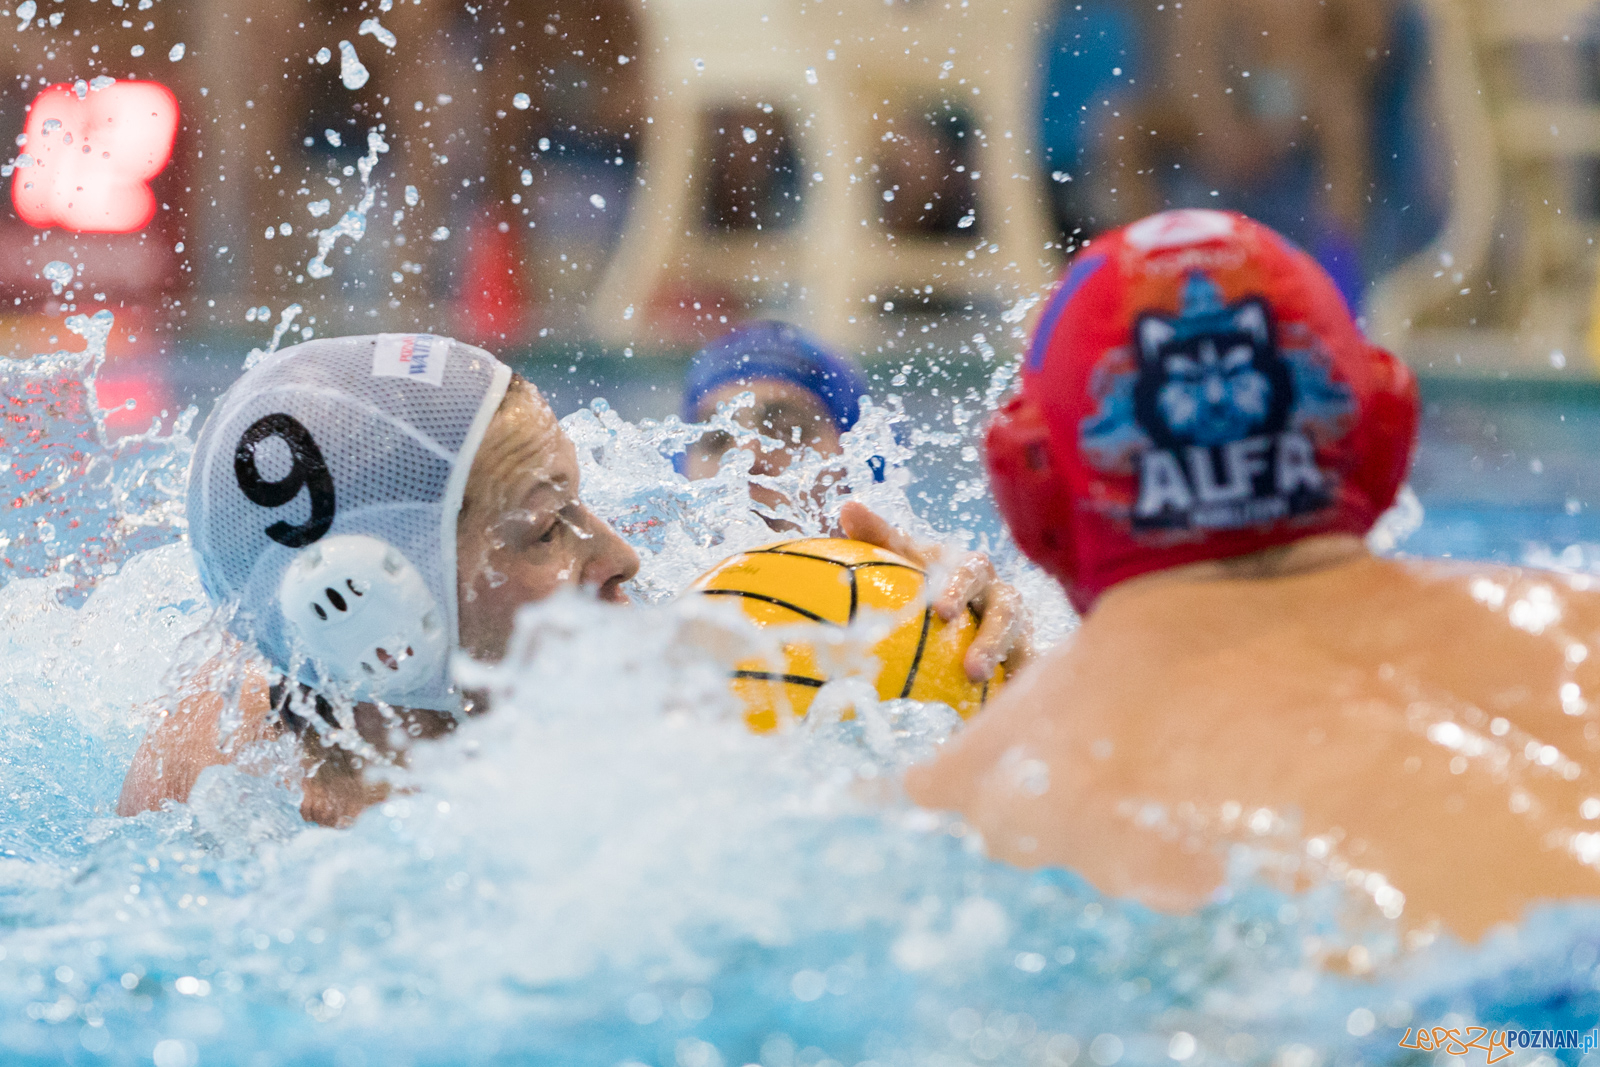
362, 611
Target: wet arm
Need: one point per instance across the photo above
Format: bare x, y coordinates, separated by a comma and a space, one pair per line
185, 742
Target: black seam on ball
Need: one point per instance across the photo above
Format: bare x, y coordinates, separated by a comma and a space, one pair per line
770, 676
813, 616
836, 563
916, 661
853, 567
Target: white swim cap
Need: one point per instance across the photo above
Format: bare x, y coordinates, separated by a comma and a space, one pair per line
323, 498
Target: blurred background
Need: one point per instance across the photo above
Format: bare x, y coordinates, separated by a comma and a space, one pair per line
594, 188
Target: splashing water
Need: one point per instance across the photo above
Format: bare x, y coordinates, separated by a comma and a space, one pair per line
79, 505
384, 36
58, 274
608, 868
285, 322
351, 72
353, 223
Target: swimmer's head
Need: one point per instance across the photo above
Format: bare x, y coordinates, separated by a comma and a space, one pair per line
805, 395
326, 502
523, 532
775, 352
1196, 390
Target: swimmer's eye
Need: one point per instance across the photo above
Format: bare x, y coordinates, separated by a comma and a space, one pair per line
549, 534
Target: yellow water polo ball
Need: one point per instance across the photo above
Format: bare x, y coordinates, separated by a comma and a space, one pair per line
827, 581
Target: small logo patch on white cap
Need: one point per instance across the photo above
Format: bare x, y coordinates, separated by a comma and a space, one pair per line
417, 357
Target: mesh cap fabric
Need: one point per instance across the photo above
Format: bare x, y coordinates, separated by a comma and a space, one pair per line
371, 435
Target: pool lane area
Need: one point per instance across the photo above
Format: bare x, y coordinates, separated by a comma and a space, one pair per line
1506, 470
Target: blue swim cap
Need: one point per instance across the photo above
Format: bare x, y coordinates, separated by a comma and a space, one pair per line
781, 351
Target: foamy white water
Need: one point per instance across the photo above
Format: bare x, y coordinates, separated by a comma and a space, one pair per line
608, 868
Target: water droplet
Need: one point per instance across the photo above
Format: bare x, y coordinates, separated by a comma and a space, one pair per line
104, 81
351, 72
700, 64
385, 37
442, 233
888, 195
333, 137
965, 220
323, 55
522, 101
527, 177
598, 201
50, 126
80, 89
25, 11
412, 197
318, 208
177, 52
811, 75
58, 274
544, 144
749, 135
136, 51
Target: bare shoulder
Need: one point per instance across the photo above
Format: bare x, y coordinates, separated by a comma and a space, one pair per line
186, 740
1029, 710
1497, 586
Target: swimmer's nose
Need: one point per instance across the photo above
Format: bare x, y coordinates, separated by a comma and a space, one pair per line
611, 560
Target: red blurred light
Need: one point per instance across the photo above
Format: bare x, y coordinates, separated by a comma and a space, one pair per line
91, 174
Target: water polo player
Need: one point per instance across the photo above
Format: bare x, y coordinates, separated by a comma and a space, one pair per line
805, 396
366, 506
1201, 438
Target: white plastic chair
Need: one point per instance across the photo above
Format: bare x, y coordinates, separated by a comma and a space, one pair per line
834, 72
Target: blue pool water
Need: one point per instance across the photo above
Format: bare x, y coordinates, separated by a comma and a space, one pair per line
609, 869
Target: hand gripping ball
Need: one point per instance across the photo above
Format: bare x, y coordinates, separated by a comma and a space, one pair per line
828, 582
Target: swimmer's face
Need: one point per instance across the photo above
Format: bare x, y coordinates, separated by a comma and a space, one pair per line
782, 410
523, 533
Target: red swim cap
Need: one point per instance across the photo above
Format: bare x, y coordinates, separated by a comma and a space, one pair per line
1196, 390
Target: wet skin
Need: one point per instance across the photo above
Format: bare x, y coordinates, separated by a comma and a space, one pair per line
1410, 715
783, 411
523, 533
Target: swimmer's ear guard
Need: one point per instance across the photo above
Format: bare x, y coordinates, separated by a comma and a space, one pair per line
324, 495
364, 613
1255, 415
